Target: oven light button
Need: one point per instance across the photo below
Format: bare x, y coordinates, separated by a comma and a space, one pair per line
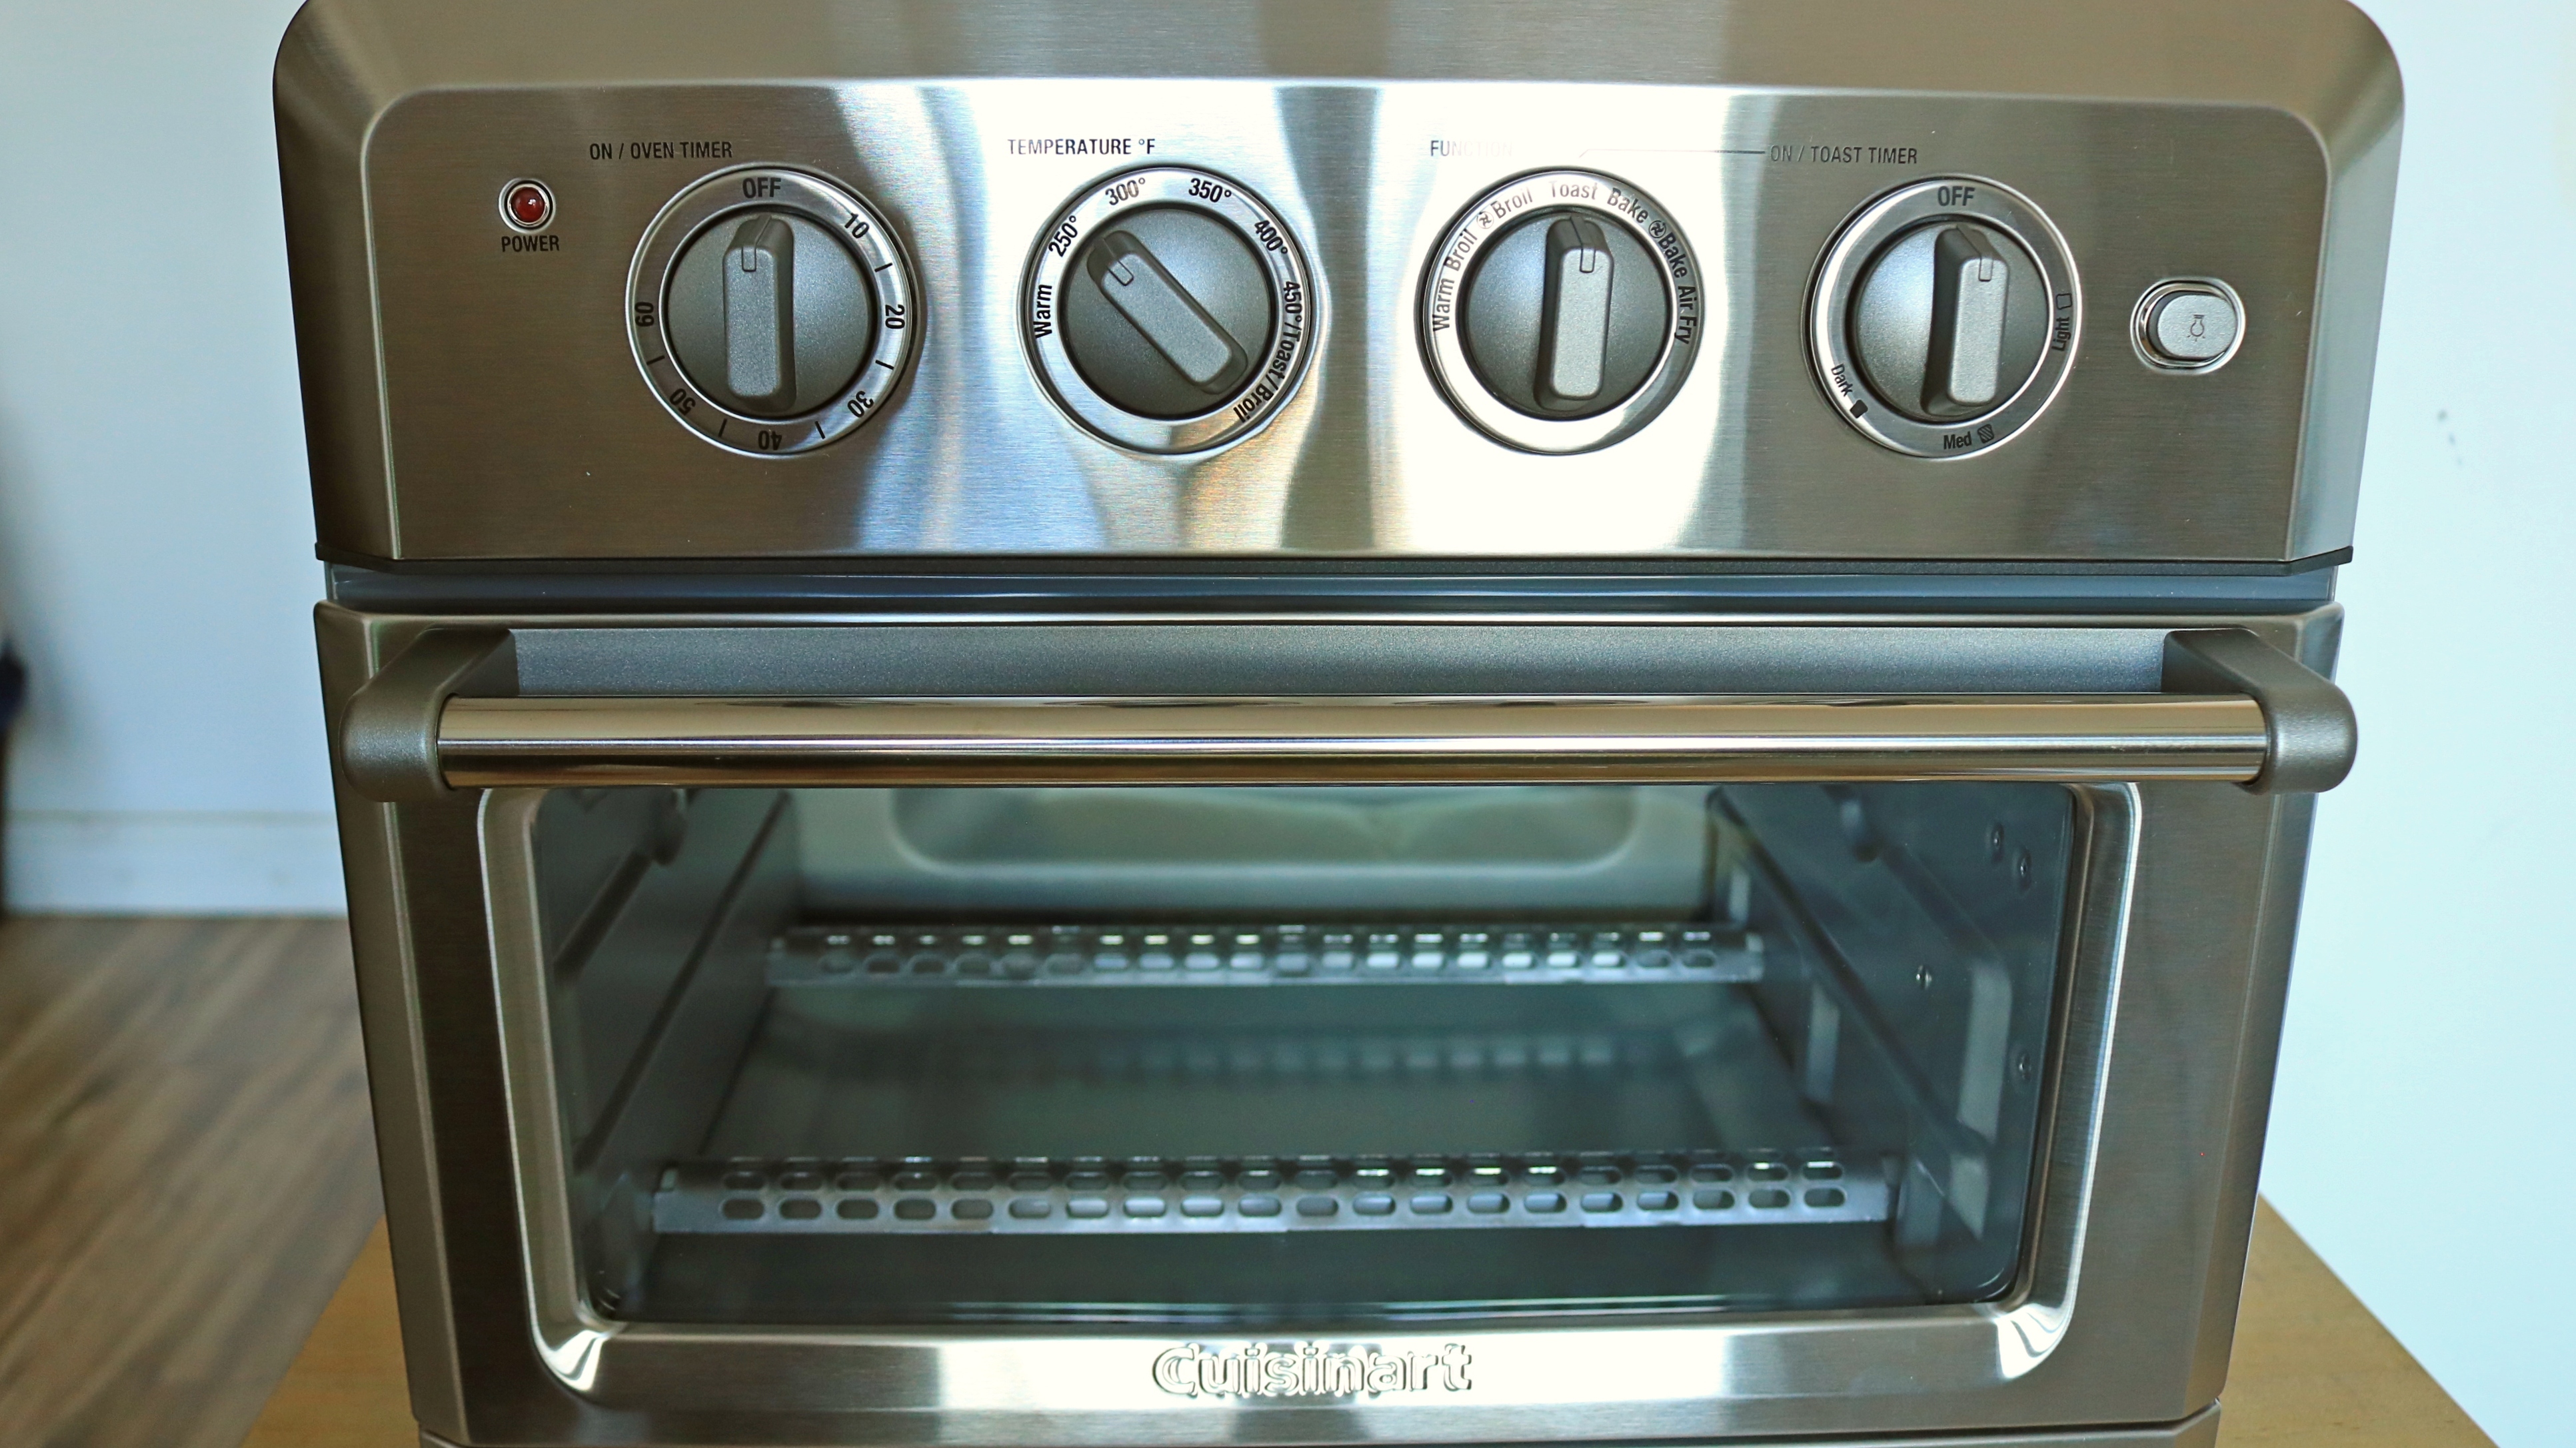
2189, 326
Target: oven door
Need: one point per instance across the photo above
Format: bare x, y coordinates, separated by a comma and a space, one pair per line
1019, 1063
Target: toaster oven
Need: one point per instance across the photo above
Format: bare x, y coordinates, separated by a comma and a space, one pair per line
1184, 724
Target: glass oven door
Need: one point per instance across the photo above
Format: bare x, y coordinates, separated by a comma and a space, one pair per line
1027, 1011
1272, 1055
1054, 1065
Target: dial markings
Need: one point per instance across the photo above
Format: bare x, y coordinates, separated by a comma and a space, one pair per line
797, 197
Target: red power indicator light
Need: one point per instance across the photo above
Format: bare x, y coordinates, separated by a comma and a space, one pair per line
527, 205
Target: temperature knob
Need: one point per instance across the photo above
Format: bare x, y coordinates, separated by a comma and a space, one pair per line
1945, 316
1561, 311
771, 310
1158, 307
1169, 310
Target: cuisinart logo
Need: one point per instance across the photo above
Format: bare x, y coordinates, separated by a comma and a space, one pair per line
1309, 1370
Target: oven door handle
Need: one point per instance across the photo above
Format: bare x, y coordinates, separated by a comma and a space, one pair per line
2235, 710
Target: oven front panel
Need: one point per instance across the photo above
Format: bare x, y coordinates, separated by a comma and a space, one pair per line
1263, 1113
482, 389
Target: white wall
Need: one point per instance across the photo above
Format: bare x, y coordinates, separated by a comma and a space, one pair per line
154, 564
2424, 1131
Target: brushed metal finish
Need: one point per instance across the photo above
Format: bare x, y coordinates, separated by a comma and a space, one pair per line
470, 402
352, 651
509, 743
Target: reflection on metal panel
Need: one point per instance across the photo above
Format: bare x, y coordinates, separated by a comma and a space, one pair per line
517, 426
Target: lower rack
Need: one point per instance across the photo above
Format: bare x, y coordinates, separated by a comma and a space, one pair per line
916, 955
1094, 1195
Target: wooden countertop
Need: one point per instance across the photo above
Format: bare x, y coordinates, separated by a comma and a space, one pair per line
2313, 1368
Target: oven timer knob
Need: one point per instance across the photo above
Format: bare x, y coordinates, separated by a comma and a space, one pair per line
1561, 311
1169, 310
771, 310
1945, 316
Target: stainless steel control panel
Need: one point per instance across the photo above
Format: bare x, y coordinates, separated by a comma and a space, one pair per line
846, 281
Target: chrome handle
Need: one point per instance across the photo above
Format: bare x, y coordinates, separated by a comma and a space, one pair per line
492, 743
2227, 720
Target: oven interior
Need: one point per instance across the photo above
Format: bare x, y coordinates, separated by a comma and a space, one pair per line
1270, 1055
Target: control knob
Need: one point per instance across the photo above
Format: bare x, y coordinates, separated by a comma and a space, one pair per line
1169, 310
768, 314
771, 310
1158, 306
1561, 311
1945, 316
1949, 321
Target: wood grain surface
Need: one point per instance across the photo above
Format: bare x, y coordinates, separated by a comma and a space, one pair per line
346, 1388
185, 1170
2313, 1368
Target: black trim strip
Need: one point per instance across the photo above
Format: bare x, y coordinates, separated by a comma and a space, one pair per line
1287, 566
1239, 593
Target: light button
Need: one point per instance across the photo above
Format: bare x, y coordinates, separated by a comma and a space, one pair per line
2189, 326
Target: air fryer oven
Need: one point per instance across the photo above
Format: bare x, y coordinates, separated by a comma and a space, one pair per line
1192, 722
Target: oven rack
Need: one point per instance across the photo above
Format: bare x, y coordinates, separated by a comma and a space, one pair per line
897, 956
1023, 1058
1131, 1196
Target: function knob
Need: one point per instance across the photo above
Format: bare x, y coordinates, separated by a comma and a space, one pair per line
1561, 311
771, 310
1944, 317
1169, 310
